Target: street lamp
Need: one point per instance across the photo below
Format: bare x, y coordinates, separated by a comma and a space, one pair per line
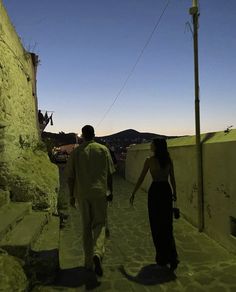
195, 14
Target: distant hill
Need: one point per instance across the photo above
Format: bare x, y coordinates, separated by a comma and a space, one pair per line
121, 139
130, 134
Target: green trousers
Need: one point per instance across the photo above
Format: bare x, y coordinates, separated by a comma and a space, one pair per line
93, 215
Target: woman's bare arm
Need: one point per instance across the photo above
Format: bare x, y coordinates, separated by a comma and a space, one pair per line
172, 180
140, 179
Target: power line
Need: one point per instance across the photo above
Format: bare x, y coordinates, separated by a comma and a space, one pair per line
135, 64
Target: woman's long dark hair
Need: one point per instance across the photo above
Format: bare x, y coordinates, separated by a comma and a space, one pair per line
161, 152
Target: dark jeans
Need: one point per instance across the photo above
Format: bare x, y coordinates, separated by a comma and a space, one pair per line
161, 222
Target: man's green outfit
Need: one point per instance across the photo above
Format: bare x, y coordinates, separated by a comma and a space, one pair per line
88, 169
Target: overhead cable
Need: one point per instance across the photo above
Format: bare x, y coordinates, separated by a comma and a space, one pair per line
136, 63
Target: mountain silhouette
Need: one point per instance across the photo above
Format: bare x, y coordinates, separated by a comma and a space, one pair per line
123, 138
131, 134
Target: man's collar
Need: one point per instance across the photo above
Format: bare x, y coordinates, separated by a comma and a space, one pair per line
88, 142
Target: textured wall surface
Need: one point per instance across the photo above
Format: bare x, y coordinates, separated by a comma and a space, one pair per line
26, 173
219, 184
12, 276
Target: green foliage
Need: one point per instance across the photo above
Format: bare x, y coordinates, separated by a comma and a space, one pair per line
40, 146
49, 144
24, 143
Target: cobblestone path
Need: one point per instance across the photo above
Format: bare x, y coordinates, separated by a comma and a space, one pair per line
204, 265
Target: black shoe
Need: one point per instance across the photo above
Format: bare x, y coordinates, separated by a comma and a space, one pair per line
107, 233
98, 267
174, 265
161, 263
91, 281
92, 285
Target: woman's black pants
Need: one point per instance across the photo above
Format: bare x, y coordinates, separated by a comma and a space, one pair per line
161, 222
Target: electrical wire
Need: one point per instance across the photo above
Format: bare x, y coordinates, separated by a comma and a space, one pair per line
135, 64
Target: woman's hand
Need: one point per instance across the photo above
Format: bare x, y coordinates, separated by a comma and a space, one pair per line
174, 197
110, 197
131, 200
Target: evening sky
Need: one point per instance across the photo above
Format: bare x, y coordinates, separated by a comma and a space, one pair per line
87, 49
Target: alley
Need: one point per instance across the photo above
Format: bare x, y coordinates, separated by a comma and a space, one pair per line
204, 265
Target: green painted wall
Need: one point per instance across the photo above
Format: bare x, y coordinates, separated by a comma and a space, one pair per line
26, 174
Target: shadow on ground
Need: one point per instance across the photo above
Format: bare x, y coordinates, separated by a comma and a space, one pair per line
76, 277
150, 275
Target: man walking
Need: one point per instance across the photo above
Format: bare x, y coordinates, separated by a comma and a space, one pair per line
89, 168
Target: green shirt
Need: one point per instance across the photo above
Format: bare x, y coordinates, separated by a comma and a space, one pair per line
88, 168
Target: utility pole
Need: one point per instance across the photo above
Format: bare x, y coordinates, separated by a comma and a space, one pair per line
195, 15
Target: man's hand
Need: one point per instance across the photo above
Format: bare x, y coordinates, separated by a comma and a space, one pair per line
131, 200
72, 202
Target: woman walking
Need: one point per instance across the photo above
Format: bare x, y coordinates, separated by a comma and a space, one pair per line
160, 197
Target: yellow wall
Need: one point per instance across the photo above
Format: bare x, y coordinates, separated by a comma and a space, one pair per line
219, 183
26, 173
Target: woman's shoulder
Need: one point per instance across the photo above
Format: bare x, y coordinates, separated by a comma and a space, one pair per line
147, 160
150, 160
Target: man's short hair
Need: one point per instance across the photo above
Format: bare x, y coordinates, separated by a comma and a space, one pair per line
88, 132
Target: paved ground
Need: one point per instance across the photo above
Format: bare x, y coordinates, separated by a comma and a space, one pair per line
204, 265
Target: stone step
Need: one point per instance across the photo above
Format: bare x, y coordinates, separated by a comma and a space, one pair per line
11, 214
43, 258
49, 237
18, 241
4, 197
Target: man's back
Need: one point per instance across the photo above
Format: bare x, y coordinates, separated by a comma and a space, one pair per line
90, 164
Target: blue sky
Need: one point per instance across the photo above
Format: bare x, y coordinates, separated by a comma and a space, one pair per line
87, 49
